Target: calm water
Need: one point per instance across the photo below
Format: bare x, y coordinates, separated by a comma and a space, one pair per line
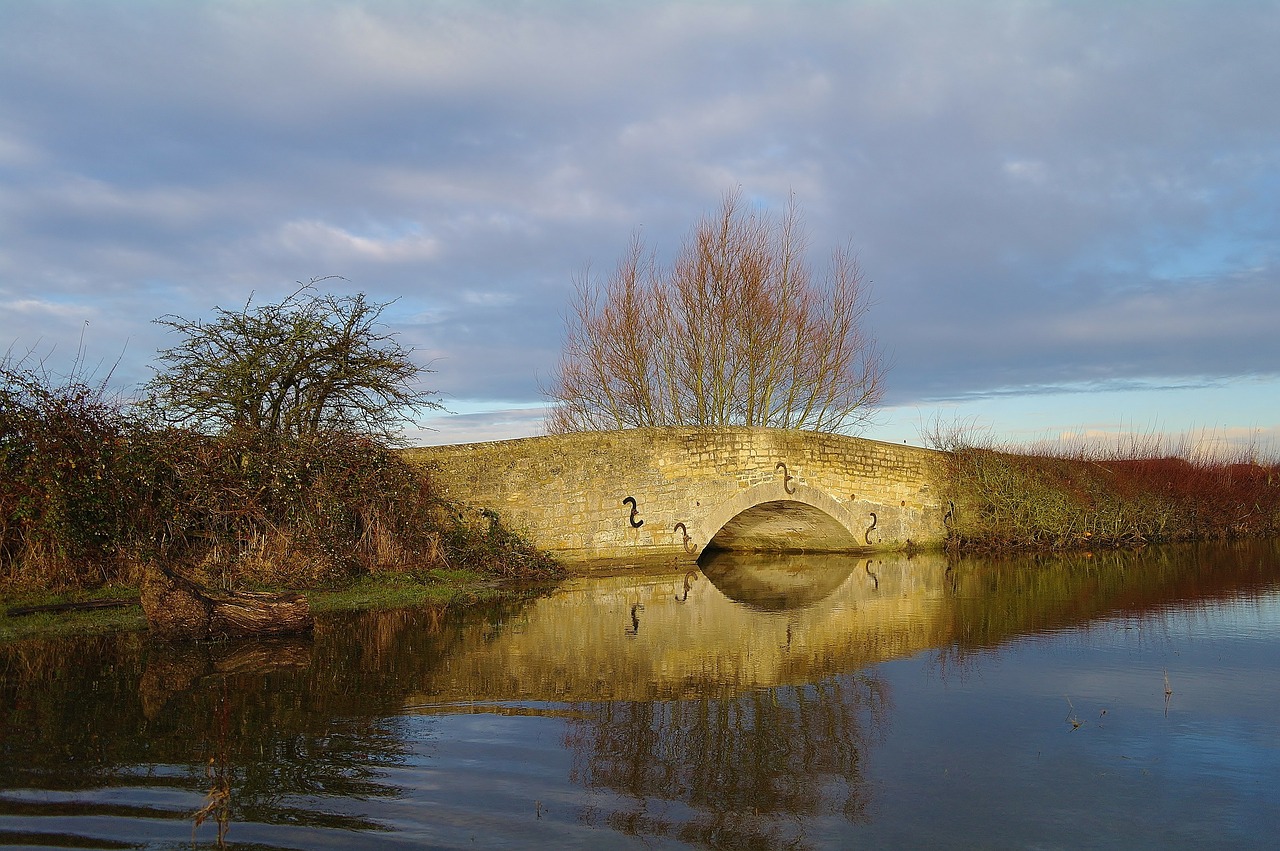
1104, 701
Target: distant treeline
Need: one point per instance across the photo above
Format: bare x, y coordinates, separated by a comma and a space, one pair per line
91, 494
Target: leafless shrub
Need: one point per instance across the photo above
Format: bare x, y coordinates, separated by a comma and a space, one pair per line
737, 332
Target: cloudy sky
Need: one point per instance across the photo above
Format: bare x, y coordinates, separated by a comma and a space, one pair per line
1070, 210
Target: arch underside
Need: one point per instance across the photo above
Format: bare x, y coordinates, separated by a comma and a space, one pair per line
783, 526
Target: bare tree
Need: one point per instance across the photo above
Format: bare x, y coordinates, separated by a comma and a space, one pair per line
310, 363
737, 332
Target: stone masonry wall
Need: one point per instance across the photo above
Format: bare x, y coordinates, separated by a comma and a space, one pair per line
566, 492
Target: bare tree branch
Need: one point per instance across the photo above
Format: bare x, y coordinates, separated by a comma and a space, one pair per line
736, 332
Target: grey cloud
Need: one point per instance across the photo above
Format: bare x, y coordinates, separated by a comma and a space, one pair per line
1044, 193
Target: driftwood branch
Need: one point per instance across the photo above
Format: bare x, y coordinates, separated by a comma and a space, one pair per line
80, 605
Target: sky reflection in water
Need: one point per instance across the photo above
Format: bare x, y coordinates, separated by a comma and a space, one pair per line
1002, 703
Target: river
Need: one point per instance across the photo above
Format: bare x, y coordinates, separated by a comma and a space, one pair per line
1111, 699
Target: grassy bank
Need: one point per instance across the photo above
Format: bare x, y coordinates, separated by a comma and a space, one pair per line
1139, 492
387, 590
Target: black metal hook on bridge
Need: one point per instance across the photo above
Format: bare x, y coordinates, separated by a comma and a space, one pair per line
635, 524
787, 478
950, 516
867, 535
680, 527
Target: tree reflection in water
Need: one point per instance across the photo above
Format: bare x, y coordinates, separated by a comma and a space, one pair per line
742, 714
292, 730
738, 771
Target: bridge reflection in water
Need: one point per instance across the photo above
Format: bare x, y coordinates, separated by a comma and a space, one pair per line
737, 624
741, 704
719, 705
743, 622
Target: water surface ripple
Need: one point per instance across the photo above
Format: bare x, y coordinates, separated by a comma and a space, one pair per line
1091, 700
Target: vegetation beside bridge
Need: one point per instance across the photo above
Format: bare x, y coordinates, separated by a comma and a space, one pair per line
92, 494
1091, 496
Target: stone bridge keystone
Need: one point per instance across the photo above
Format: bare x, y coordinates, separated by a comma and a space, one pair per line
640, 493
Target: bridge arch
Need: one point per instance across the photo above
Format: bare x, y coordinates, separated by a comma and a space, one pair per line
772, 517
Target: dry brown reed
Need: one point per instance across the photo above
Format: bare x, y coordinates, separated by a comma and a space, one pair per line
1140, 490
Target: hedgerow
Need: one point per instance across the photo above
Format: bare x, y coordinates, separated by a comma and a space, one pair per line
91, 494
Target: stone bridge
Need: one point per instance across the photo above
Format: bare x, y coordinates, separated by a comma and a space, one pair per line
662, 492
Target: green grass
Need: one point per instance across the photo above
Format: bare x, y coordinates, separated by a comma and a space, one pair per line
397, 590
50, 624
381, 591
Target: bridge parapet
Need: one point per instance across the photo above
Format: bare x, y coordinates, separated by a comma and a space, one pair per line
673, 491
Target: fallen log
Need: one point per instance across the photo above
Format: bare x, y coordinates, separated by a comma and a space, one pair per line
180, 608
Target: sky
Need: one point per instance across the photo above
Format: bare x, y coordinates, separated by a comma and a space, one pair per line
1069, 211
